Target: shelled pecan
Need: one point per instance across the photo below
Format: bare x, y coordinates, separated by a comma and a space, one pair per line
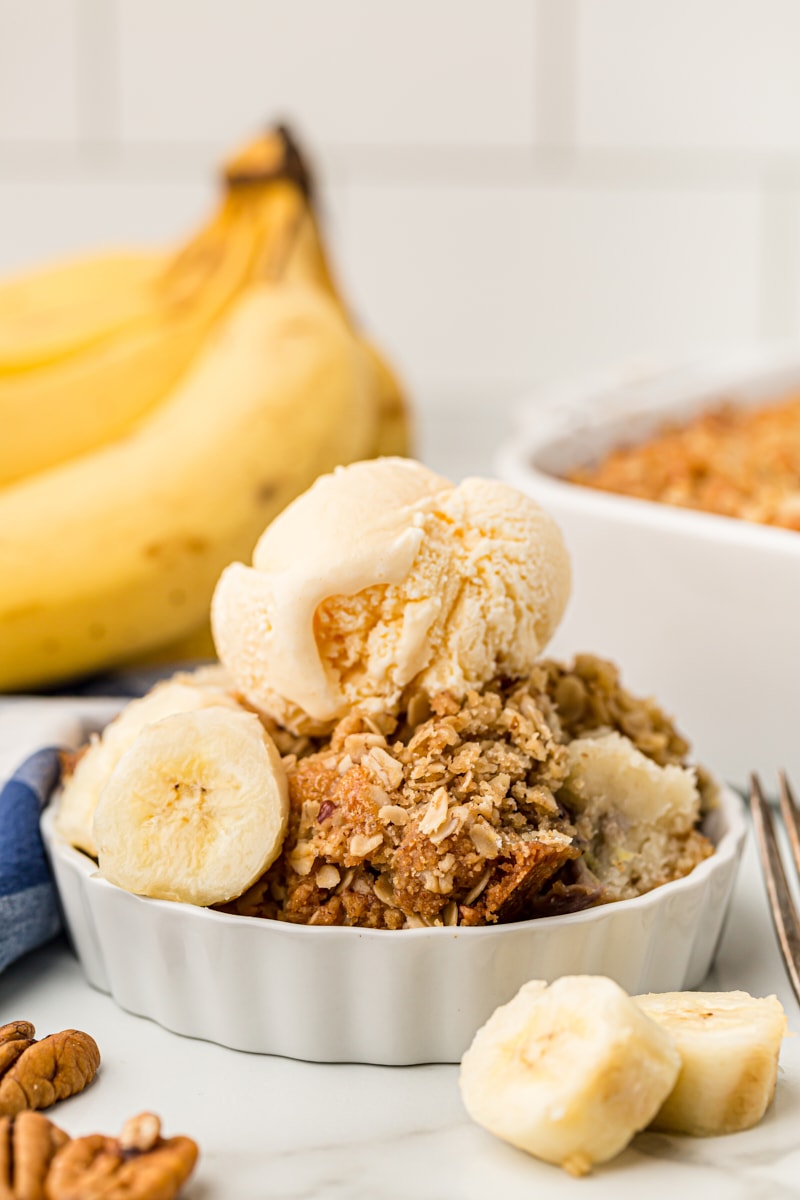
138, 1165
28, 1144
35, 1074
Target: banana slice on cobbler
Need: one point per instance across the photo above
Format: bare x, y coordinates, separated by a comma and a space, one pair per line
196, 809
81, 791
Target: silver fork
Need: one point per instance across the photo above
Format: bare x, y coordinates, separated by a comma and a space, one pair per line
781, 904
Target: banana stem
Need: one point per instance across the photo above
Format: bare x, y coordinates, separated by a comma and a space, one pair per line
276, 155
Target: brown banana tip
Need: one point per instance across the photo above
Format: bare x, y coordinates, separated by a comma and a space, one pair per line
287, 163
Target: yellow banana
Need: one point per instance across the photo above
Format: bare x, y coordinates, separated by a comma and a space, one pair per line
44, 311
52, 312
75, 377
54, 284
119, 550
308, 260
87, 348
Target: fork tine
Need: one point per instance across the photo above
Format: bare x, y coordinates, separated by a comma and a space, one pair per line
791, 815
782, 909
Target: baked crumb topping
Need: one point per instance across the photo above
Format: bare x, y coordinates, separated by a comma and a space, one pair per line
736, 462
464, 813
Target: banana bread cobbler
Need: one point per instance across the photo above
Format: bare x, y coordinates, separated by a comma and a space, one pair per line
525, 799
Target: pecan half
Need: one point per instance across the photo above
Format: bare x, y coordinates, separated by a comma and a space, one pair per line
14, 1038
28, 1144
138, 1165
36, 1074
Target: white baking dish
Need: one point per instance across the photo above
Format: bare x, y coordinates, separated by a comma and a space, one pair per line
703, 612
376, 996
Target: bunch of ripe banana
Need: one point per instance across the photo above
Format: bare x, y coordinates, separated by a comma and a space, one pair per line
158, 411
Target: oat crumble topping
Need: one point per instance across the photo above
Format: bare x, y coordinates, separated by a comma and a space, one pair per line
736, 462
458, 813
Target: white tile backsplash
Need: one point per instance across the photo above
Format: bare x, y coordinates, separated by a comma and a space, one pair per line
43, 221
512, 189
38, 70
424, 72
509, 285
703, 74
779, 302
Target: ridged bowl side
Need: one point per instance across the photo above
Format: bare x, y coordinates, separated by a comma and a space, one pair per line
375, 996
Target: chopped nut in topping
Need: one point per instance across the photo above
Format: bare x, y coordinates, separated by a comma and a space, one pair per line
436, 812
393, 814
484, 839
310, 811
356, 745
302, 858
383, 890
473, 894
381, 764
361, 846
456, 818
347, 881
328, 876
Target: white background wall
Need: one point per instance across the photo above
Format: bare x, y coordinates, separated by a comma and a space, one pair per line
514, 189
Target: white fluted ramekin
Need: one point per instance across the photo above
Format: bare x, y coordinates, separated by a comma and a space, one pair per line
376, 996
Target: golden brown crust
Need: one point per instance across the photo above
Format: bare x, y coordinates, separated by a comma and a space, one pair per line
516, 880
736, 462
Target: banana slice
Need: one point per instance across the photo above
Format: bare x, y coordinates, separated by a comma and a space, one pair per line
569, 1072
729, 1044
184, 692
638, 818
196, 810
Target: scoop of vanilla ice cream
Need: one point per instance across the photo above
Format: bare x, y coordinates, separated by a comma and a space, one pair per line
382, 577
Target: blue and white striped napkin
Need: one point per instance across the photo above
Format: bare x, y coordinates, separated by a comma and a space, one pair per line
29, 913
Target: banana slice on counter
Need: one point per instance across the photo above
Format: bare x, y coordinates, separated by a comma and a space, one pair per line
729, 1044
569, 1072
184, 692
196, 810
